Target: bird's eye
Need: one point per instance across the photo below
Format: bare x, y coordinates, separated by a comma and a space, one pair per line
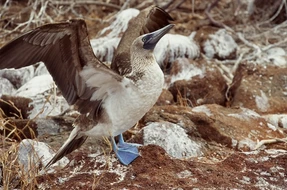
144, 39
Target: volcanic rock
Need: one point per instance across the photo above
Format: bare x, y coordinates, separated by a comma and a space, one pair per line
262, 88
197, 83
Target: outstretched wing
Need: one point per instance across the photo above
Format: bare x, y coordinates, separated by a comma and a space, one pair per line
148, 20
65, 49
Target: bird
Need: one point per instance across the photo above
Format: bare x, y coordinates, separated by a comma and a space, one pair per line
110, 100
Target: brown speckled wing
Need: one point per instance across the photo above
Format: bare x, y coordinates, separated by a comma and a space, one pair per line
65, 49
148, 20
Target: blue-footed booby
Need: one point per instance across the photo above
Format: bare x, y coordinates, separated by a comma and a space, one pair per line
110, 100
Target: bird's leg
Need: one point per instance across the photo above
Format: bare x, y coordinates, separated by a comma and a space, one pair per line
125, 152
121, 141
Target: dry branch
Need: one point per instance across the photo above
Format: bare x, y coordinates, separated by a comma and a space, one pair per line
81, 3
269, 141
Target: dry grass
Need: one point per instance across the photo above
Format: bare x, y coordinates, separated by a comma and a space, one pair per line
182, 101
8, 126
14, 174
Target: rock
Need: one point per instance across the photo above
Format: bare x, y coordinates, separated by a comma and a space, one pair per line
238, 129
46, 101
19, 129
6, 87
16, 107
273, 56
260, 88
278, 120
105, 45
196, 83
166, 98
54, 125
277, 56
185, 69
172, 138
216, 43
18, 77
173, 46
37, 85
168, 49
34, 155
41, 69
237, 170
55, 105
15, 122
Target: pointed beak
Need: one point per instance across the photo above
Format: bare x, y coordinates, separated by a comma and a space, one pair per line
150, 40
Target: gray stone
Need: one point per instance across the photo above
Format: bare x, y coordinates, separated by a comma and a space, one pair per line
33, 154
172, 138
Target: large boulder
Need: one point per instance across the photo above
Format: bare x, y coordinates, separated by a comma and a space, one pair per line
262, 88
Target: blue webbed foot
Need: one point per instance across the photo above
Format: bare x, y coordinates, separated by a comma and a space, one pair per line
125, 152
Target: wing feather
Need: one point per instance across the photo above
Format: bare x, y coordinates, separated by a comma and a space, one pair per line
65, 49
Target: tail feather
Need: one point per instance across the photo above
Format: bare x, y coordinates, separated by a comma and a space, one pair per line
68, 147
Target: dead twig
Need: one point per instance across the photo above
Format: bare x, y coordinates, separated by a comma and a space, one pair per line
171, 6
125, 5
269, 141
238, 61
275, 45
212, 20
257, 49
283, 2
80, 3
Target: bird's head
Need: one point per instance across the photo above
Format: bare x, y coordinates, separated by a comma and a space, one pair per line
149, 41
